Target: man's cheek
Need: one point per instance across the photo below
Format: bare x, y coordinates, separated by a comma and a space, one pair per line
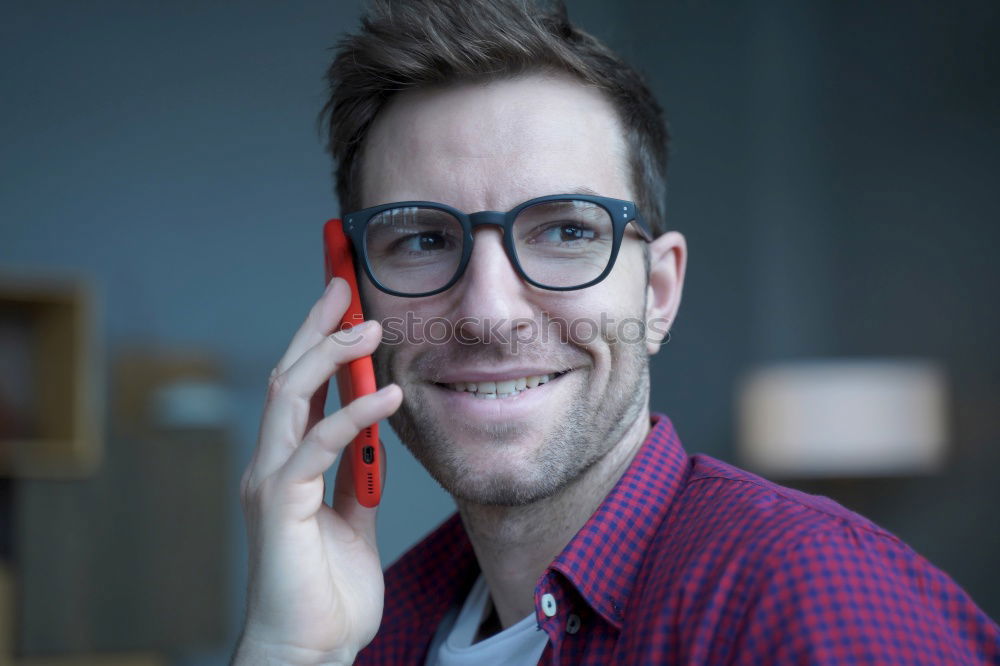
628, 331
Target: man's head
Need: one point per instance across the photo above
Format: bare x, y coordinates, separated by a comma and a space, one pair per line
417, 44
469, 358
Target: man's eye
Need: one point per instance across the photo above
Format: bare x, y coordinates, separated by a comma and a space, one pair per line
422, 242
566, 232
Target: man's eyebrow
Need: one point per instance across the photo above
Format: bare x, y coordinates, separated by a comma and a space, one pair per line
584, 190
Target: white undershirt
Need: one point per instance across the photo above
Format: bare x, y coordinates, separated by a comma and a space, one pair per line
522, 643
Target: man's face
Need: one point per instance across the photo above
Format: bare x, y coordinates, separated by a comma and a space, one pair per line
490, 147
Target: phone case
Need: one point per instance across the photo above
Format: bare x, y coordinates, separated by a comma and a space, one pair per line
358, 377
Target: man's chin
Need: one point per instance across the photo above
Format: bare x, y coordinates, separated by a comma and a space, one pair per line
503, 451
471, 458
503, 492
496, 485
493, 464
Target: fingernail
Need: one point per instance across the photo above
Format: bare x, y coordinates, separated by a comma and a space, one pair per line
384, 389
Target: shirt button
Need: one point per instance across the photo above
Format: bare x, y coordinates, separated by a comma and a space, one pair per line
573, 624
548, 605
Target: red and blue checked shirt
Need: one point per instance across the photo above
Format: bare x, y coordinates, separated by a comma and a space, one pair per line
692, 561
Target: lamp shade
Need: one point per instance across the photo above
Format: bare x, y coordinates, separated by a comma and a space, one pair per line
843, 418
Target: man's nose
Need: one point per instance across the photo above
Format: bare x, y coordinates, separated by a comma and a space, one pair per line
492, 297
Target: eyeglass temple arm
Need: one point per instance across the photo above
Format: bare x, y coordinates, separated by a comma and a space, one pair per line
642, 227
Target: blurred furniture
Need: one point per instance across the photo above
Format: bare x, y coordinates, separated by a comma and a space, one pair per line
132, 561
49, 386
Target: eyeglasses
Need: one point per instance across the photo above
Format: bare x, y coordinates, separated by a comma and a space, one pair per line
559, 242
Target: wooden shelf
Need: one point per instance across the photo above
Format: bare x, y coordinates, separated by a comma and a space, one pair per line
50, 395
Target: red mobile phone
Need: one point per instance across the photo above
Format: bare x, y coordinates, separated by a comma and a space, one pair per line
358, 377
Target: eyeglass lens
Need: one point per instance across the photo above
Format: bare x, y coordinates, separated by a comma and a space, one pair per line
414, 250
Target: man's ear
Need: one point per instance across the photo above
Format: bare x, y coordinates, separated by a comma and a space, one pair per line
667, 263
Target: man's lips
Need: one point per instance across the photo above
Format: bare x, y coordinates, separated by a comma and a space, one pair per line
495, 374
503, 388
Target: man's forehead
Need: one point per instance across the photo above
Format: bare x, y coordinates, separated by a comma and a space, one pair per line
487, 144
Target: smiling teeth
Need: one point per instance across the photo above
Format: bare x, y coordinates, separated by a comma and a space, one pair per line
501, 389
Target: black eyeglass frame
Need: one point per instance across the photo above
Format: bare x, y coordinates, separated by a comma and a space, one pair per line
620, 211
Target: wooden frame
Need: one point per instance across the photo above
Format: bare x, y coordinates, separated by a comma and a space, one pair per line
50, 393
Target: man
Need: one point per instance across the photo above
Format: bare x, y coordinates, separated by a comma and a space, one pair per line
584, 533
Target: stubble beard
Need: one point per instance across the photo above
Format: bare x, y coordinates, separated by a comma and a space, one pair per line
575, 441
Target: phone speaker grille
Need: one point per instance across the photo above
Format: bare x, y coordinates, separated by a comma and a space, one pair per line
371, 482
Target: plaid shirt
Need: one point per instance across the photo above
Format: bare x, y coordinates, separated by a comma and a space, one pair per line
692, 561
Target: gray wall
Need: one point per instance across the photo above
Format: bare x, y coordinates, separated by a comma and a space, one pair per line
834, 169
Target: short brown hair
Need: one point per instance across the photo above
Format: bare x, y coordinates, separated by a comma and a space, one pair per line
407, 44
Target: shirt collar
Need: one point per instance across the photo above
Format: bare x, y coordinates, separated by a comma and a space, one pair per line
603, 559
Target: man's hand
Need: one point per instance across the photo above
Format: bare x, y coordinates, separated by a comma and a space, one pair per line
315, 590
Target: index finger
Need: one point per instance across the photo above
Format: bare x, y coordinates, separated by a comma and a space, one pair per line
323, 319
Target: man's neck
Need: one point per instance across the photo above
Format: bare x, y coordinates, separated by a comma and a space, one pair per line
514, 545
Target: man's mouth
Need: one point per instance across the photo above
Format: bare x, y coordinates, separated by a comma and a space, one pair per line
506, 388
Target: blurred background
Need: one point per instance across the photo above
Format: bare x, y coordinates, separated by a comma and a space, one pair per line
162, 190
